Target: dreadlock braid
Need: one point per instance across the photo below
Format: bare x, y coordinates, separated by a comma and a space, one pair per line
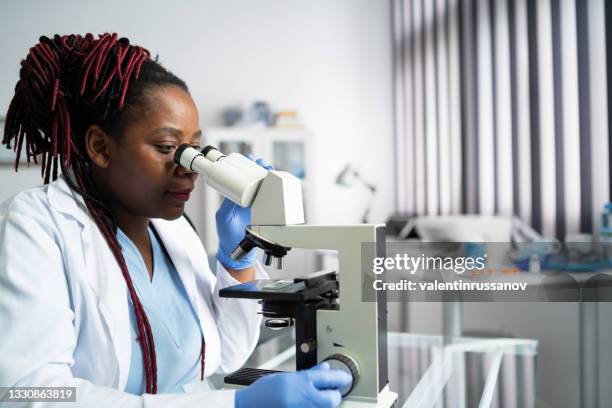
67, 84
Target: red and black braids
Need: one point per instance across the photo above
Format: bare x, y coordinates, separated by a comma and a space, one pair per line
66, 84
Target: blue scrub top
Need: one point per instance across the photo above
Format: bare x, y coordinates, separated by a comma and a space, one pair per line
174, 323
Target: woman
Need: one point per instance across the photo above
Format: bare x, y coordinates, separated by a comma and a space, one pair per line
105, 285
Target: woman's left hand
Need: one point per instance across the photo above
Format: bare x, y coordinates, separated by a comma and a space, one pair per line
232, 221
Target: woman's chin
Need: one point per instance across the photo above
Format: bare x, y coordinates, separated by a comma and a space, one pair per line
173, 213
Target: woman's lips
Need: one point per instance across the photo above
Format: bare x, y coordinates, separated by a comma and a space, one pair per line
181, 196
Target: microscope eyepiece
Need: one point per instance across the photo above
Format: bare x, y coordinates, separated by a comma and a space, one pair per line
179, 152
212, 153
186, 154
207, 149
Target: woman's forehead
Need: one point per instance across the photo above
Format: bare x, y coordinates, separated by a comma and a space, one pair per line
169, 110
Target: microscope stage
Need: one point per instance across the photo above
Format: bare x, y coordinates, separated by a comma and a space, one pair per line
300, 289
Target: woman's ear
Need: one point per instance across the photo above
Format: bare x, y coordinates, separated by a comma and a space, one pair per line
97, 145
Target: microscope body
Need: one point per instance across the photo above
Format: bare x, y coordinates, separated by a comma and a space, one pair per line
338, 316
349, 328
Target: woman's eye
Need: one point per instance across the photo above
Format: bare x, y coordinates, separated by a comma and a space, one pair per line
165, 149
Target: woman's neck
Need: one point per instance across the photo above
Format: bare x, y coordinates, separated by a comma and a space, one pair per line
135, 227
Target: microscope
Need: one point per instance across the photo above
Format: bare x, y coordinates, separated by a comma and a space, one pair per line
333, 319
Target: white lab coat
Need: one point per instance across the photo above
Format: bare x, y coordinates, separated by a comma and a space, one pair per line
64, 317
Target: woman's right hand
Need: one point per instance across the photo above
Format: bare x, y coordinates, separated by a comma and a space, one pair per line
316, 387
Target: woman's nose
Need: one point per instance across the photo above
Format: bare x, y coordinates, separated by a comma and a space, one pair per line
181, 171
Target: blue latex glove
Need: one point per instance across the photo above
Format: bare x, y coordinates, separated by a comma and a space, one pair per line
316, 387
232, 220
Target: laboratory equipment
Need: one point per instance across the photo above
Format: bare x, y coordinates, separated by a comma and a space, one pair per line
333, 321
240, 179
347, 178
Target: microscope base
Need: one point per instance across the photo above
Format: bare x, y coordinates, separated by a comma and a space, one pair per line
386, 399
246, 376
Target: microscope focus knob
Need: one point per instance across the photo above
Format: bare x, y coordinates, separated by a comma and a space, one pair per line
346, 364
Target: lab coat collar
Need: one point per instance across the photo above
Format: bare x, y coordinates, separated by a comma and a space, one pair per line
63, 199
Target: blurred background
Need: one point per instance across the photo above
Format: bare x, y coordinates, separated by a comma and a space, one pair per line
394, 111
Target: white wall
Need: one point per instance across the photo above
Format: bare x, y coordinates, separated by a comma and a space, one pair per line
330, 60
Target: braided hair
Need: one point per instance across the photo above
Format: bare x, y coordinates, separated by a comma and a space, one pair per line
67, 84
